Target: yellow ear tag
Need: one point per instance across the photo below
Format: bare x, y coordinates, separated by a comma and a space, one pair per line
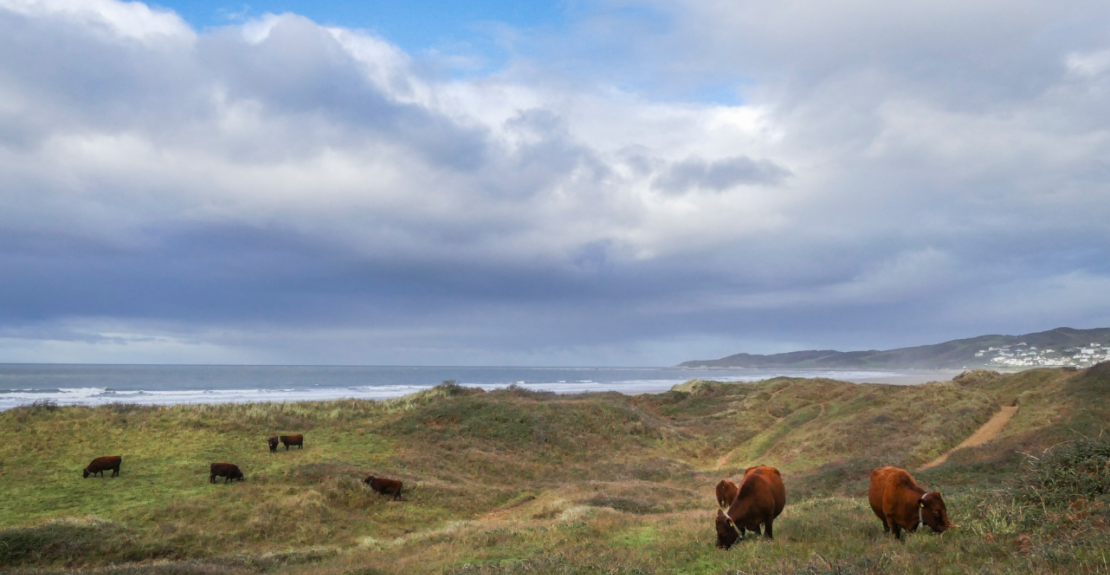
922, 505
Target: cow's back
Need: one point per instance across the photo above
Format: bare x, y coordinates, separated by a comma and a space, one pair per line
761, 496
106, 462
225, 470
102, 464
775, 488
882, 479
895, 497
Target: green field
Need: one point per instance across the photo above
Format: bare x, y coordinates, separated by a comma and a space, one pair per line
522, 482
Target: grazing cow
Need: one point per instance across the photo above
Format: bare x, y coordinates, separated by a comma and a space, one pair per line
273, 441
760, 500
102, 464
229, 471
297, 440
726, 493
901, 503
385, 486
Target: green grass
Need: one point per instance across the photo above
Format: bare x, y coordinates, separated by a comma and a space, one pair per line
521, 482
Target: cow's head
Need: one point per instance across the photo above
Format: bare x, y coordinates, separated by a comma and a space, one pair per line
86, 472
933, 512
273, 441
726, 493
237, 475
728, 533
368, 480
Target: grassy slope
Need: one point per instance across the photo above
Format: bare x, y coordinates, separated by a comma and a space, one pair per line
513, 481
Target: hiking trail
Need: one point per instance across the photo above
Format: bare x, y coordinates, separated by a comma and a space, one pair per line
984, 434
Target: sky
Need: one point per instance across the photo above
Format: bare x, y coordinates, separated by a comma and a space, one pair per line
606, 182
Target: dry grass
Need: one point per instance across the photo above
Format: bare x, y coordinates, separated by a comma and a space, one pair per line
519, 482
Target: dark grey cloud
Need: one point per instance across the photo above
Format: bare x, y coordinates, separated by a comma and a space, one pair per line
719, 175
285, 192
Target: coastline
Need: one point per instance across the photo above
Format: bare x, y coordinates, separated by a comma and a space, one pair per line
172, 385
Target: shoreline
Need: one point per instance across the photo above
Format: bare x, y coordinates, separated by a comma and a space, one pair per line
98, 396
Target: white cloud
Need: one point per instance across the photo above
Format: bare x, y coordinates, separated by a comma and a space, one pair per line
130, 20
1088, 64
882, 156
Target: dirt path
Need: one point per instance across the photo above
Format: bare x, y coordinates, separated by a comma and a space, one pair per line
988, 432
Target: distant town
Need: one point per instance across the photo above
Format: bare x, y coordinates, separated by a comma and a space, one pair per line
1024, 355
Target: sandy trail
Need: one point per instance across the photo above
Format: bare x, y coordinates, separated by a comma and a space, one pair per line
988, 432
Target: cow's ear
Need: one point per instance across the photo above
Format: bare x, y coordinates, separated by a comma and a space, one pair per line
720, 514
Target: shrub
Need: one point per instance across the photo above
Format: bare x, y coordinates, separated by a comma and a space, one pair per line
1070, 471
121, 407
69, 542
42, 406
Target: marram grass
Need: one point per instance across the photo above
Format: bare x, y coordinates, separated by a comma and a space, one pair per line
520, 482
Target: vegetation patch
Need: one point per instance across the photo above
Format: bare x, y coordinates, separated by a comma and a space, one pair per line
519, 482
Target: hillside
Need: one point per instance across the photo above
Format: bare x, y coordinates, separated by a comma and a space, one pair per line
513, 481
1062, 344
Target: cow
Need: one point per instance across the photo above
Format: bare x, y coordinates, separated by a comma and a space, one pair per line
726, 493
297, 440
900, 503
102, 464
385, 486
229, 471
273, 441
760, 499
727, 490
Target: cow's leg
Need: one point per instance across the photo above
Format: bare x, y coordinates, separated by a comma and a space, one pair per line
886, 526
756, 530
770, 529
897, 530
212, 478
115, 472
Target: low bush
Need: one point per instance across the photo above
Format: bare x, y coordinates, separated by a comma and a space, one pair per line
71, 542
1078, 469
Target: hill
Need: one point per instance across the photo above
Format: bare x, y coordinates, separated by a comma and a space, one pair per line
1055, 348
513, 481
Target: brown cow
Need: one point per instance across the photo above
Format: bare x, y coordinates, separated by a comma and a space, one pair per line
385, 486
229, 471
901, 503
760, 500
102, 464
297, 440
727, 490
273, 441
726, 493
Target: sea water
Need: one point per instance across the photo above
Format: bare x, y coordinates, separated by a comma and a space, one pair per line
68, 384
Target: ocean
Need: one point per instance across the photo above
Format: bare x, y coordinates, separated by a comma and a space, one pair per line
93, 385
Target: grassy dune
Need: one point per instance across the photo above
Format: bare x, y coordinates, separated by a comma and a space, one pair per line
521, 482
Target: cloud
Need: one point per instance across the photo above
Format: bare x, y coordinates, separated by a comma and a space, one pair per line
282, 191
719, 175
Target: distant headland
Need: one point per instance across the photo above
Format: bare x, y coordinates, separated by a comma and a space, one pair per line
1060, 347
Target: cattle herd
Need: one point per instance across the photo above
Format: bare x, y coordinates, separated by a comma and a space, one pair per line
231, 472
895, 497
752, 505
